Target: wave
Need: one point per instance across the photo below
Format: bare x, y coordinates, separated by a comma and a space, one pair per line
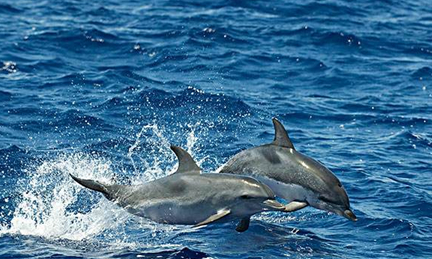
5, 96
424, 72
9, 9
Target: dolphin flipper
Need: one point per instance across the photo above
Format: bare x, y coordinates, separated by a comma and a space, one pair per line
295, 205
243, 225
220, 214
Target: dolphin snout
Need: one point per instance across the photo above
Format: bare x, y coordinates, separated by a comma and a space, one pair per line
349, 215
274, 205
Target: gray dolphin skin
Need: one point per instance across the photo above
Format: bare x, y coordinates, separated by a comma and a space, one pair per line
293, 176
190, 198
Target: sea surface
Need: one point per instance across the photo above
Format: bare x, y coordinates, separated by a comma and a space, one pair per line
101, 88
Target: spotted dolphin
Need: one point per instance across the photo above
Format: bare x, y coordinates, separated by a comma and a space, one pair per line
293, 176
188, 197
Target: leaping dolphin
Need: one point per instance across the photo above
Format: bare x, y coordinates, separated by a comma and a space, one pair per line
190, 198
297, 178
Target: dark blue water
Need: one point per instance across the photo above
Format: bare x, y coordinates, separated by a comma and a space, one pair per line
101, 88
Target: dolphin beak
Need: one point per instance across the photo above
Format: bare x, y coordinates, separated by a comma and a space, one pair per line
274, 205
349, 215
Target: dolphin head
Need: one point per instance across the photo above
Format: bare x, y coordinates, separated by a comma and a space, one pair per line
331, 195
327, 192
336, 201
253, 197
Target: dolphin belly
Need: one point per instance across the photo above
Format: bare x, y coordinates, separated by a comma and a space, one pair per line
169, 212
287, 191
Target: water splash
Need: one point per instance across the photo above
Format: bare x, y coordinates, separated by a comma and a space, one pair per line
53, 206
155, 156
50, 198
151, 154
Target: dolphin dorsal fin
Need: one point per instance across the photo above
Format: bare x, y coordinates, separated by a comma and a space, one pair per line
281, 135
186, 162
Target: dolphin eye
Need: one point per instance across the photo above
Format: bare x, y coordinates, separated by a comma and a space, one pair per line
339, 184
246, 197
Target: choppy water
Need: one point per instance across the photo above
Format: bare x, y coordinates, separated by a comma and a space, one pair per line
101, 88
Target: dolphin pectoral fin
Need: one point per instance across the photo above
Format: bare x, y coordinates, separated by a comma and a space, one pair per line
243, 225
220, 214
295, 205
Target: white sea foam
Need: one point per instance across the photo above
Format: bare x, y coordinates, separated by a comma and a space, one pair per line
49, 195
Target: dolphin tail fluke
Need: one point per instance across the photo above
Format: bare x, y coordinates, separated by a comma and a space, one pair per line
93, 185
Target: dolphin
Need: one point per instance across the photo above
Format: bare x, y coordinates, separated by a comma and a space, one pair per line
188, 197
293, 176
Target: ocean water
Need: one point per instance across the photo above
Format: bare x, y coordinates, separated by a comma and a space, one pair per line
101, 89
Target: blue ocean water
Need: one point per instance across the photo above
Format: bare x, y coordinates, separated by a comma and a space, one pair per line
102, 88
